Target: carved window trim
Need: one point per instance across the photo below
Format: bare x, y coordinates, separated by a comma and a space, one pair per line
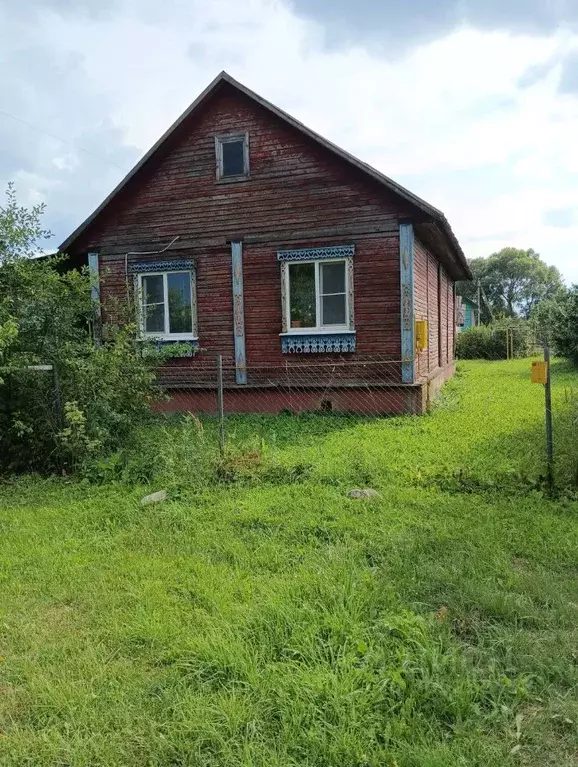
349, 325
318, 340
318, 343
313, 254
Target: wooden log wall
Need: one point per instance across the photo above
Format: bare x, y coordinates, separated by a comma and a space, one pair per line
434, 302
299, 194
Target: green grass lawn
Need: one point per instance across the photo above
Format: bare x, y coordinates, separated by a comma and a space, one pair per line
261, 618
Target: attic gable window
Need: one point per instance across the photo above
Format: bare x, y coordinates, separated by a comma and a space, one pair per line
232, 154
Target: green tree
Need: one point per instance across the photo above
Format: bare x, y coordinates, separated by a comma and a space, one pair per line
514, 281
21, 230
8, 333
557, 319
94, 394
20, 235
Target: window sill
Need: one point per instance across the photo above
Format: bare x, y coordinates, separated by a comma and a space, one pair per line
176, 338
317, 332
233, 179
318, 342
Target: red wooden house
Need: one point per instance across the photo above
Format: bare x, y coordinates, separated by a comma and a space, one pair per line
245, 233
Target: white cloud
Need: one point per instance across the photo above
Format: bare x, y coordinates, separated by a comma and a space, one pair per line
450, 119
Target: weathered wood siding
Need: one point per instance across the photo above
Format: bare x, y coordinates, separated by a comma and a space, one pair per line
421, 303
434, 301
376, 298
295, 187
433, 313
299, 195
444, 317
451, 320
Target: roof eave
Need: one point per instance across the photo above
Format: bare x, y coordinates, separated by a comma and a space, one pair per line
223, 76
461, 258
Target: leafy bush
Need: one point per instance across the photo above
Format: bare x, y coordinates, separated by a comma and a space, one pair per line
489, 341
558, 319
89, 394
92, 395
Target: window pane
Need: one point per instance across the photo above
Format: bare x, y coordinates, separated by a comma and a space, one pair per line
180, 310
333, 310
153, 303
333, 277
152, 288
233, 158
154, 318
302, 295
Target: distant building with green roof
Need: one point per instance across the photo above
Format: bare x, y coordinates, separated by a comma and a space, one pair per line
466, 313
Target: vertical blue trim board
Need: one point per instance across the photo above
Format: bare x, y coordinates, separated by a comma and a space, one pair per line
94, 279
406, 292
238, 312
95, 295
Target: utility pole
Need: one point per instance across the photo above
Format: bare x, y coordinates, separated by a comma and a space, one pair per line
479, 302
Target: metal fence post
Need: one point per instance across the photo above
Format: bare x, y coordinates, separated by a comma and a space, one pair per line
58, 397
548, 406
509, 343
220, 404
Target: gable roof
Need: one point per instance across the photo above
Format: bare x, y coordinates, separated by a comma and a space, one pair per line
436, 215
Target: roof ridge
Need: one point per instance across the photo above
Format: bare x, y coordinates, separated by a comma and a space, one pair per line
224, 76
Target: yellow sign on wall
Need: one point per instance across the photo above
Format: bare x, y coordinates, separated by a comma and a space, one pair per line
539, 372
421, 335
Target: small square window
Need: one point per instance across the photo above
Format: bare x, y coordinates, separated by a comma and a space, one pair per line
233, 158
232, 153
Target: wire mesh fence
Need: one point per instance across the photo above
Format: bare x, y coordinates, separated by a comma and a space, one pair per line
370, 387
359, 385
528, 409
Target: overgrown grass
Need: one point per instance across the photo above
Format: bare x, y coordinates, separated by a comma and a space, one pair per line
487, 432
262, 618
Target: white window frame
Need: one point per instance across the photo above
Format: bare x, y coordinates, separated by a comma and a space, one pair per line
167, 335
229, 138
319, 327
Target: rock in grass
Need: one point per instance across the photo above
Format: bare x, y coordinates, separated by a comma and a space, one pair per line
363, 493
162, 495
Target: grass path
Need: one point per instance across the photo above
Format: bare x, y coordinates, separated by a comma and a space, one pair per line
273, 622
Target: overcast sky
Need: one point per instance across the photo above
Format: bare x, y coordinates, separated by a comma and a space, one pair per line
472, 104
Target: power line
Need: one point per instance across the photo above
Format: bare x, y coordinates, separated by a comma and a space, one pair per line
63, 140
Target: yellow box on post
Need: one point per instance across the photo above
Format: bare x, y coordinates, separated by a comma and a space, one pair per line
421, 335
539, 372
